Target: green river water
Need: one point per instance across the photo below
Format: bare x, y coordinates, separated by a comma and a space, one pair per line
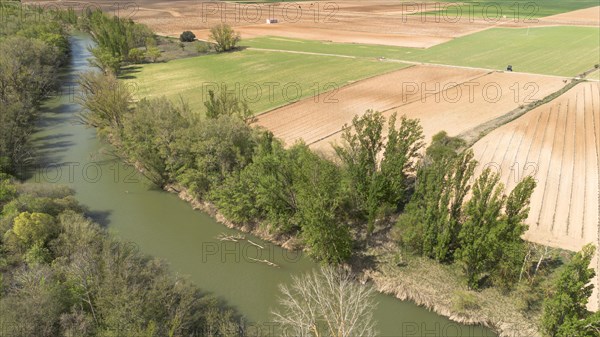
162, 225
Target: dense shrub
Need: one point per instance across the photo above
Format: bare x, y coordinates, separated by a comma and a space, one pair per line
225, 37
187, 36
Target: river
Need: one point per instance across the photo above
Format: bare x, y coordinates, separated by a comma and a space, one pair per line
162, 225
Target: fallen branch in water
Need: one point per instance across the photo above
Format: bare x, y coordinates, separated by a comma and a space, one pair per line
255, 244
233, 238
265, 261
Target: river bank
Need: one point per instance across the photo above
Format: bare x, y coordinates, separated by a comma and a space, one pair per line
160, 224
420, 280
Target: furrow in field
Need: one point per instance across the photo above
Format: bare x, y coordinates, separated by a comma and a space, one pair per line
594, 303
497, 163
534, 128
510, 160
589, 233
533, 157
578, 197
561, 138
566, 176
554, 171
544, 164
458, 107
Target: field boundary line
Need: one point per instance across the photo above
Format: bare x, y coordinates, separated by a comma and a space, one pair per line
301, 52
409, 62
356, 82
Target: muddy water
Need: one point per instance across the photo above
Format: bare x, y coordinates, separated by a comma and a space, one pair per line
162, 225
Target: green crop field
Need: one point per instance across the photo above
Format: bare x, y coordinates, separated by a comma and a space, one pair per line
265, 79
513, 9
564, 51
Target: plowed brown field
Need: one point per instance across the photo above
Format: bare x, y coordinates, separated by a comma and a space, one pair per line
378, 22
443, 98
373, 22
559, 144
581, 17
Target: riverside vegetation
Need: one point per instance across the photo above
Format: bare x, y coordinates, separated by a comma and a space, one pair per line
61, 274
334, 208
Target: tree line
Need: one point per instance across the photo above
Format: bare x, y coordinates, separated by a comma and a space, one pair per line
33, 46
117, 40
482, 233
61, 274
121, 41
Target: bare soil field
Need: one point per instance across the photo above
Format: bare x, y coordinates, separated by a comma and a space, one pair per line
378, 22
581, 17
559, 144
318, 119
443, 98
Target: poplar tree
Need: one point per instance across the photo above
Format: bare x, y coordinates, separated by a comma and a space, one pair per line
481, 215
565, 312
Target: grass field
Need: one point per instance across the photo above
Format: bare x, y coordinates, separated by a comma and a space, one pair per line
526, 9
265, 79
564, 51
540, 8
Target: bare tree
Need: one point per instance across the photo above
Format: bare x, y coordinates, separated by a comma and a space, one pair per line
326, 303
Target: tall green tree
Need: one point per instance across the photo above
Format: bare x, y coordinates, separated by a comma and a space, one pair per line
105, 101
362, 143
226, 103
509, 246
565, 313
28, 74
431, 222
400, 159
149, 136
318, 197
210, 150
115, 37
482, 212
